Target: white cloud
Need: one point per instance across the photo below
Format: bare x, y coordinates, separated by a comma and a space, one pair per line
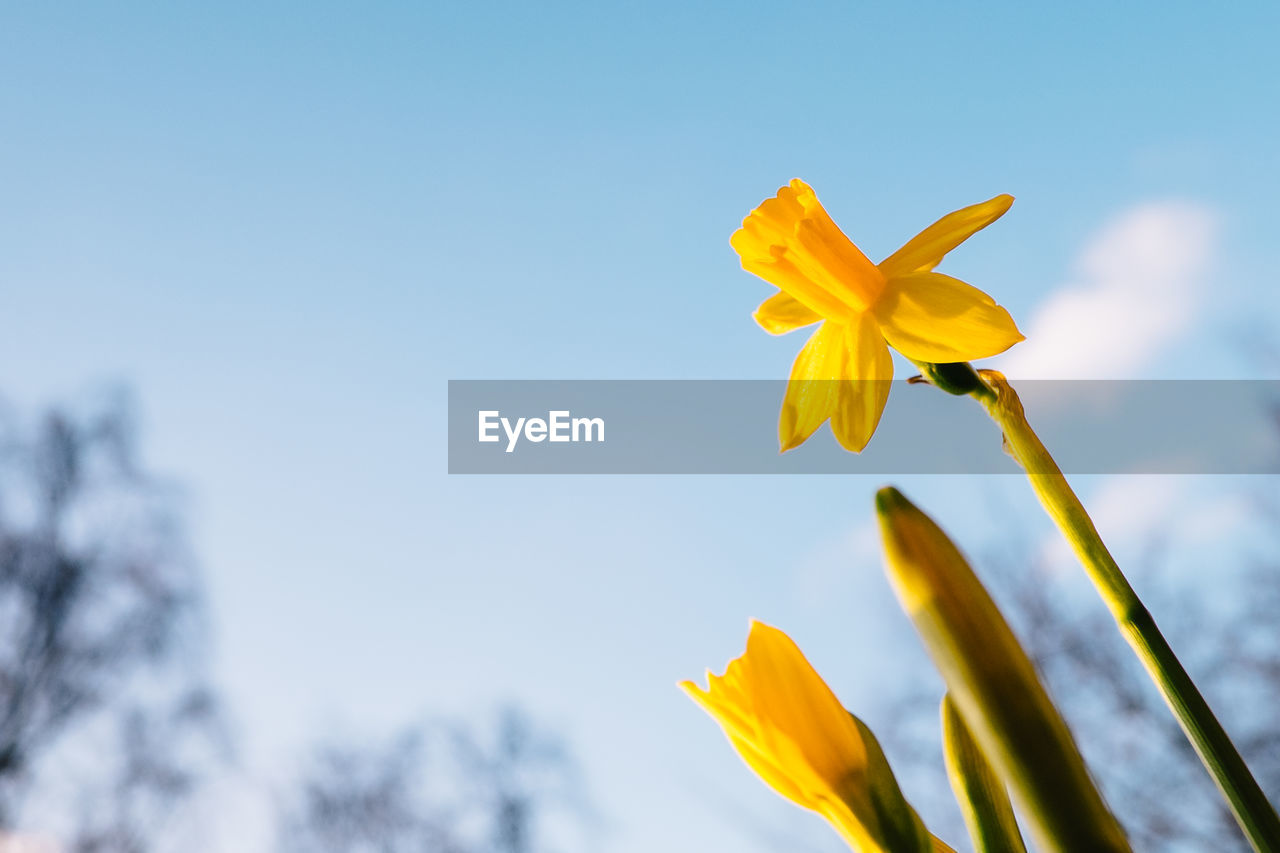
1135, 506
1138, 285
1217, 520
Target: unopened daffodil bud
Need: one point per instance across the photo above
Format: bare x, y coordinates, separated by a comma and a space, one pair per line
993, 684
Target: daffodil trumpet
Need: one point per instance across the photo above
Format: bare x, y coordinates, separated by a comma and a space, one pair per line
1252, 810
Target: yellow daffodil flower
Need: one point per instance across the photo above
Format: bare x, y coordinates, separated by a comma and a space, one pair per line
790, 241
791, 729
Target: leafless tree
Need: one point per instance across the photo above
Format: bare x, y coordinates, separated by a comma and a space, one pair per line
106, 723
439, 788
101, 697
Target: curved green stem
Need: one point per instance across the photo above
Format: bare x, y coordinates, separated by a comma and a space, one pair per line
1255, 814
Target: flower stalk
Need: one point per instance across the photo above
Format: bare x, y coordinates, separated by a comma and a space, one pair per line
1252, 810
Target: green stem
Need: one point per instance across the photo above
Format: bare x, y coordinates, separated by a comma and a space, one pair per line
1255, 814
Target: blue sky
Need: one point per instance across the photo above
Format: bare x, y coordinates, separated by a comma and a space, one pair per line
286, 227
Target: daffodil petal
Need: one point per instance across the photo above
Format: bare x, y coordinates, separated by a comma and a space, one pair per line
801, 707
869, 369
782, 313
929, 316
728, 711
924, 251
813, 392
741, 728
773, 775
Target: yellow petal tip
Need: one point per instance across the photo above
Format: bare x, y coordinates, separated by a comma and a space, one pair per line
789, 444
853, 445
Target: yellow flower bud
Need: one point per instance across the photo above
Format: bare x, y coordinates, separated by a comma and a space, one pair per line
789, 727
